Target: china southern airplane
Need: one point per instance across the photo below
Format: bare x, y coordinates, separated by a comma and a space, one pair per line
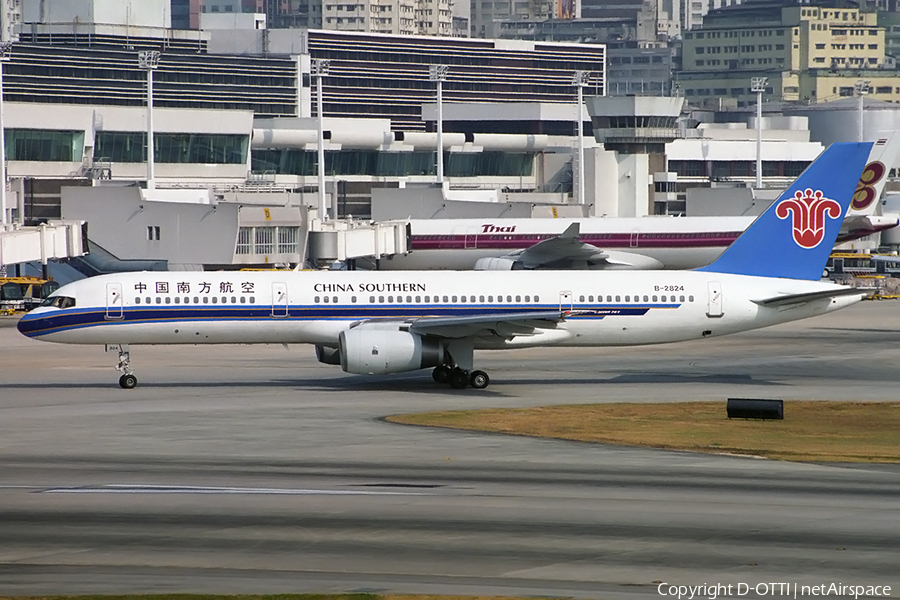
615, 243
391, 322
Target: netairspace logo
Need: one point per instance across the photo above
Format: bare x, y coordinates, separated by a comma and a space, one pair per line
791, 590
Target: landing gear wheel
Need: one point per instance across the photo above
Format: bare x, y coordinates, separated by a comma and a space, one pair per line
458, 379
441, 374
479, 380
128, 381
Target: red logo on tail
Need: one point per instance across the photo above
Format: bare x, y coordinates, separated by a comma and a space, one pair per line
809, 210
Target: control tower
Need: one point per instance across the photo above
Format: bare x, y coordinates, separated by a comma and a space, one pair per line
634, 131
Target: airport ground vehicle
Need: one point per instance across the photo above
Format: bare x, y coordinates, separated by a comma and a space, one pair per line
21, 294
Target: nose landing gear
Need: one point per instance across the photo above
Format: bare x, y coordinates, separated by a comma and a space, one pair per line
127, 381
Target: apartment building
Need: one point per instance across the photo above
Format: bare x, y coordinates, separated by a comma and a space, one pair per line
807, 53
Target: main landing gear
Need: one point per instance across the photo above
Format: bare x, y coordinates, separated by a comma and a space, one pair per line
127, 381
459, 378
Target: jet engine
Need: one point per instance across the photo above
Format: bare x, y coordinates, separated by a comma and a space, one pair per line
329, 356
373, 351
498, 263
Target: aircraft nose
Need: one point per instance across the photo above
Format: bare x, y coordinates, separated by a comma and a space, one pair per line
28, 325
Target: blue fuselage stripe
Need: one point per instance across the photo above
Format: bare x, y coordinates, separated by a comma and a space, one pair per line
69, 319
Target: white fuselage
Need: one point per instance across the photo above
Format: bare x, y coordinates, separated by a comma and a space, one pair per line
609, 308
676, 243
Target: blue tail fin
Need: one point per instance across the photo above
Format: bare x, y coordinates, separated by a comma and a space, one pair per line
795, 235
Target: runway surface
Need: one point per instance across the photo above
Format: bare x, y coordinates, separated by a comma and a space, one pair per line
256, 469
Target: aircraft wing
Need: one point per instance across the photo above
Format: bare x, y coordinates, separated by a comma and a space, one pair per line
562, 251
565, 246
789, 299
507, 326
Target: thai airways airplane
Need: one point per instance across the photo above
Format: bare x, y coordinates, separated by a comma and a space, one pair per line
615, 243
391, 322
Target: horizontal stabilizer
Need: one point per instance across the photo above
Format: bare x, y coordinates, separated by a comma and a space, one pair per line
788, 299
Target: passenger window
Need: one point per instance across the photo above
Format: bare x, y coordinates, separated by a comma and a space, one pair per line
527, 298
462, 299
196, 300
682, 298
509, 298
418, 299
205, 299
137, 300
233, 300
454, 298
646, 299
654, 298
445, 299
609, 298
427, 299
252, 299
471, 298
619, 298
537, 299
243, 299
224, 299
409, 299
187, 300
690, 298
325, 299
590, 298
390, 299
518, 298
177, 300
371, 299
158, 300
316, 299
168, 300
581, 298
334, 299
481, 298
215, 299
380, 299
490, 298
353, 299
627, 298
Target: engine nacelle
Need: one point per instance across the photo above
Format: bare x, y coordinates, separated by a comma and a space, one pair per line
497, 263
369, 351
329, 356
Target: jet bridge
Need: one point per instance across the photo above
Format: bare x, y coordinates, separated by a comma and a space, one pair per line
55, 239
342, 240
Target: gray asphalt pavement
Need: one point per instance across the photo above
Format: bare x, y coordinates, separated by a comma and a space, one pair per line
256, 469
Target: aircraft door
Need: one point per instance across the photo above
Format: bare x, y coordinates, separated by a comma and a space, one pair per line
115, 301
565, 300
279, 300
635, 238
471, 240
714, 306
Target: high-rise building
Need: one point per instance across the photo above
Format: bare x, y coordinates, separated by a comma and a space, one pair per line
809, 52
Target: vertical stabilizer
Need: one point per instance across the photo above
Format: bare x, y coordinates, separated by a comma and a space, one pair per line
795, 235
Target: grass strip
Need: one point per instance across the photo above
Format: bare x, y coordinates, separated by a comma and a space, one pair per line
812, 431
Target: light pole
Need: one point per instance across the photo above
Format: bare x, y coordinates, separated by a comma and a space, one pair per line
861, 88
5, 51
149, 60
438, 73
580, 79
319, 70
758, 85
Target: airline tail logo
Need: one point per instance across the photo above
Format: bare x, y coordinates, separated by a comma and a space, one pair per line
865, 190
808, 210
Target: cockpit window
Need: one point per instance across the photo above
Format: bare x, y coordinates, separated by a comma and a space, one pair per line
59, 302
